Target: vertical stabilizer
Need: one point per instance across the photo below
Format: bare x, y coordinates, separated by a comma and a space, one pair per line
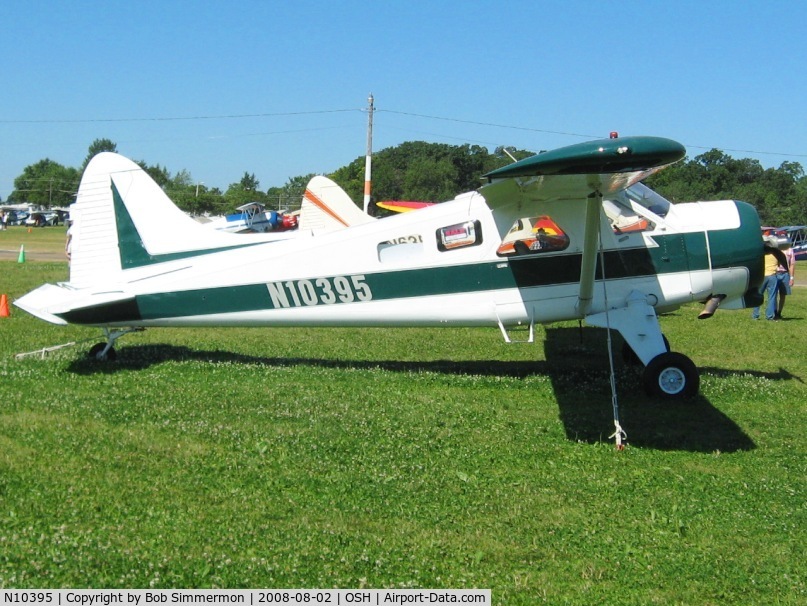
94, 245
326, 207
122, 220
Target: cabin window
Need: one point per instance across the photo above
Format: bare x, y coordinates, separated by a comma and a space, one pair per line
532, 235
401, 249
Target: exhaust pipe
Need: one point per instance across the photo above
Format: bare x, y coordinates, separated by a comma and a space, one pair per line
711, 307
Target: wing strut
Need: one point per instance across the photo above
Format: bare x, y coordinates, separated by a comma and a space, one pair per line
592, 247
591, 241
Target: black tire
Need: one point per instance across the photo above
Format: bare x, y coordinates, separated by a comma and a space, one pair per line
95, 353
671, 376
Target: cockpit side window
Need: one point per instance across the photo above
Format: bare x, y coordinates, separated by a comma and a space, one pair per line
624, 219
649, 199
635, 209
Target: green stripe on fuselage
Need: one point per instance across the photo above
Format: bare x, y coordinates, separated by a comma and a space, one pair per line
520, 272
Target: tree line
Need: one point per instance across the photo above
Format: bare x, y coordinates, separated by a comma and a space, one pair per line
435, 172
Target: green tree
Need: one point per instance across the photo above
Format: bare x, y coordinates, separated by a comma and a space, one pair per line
430, 181
351, 178
96, 147
290, 195
46, 183
160, 174
249, 182
243, 192
777, 193
416, 170
197, 199
193, 197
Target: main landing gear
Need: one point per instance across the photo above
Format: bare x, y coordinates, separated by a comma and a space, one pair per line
105, 352
667, 374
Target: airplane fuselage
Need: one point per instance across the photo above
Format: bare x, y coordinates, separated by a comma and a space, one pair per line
402, 275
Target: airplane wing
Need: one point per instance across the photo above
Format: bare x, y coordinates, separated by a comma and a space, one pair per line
575, 171
51, 302
581, 174
256, 206
402, 206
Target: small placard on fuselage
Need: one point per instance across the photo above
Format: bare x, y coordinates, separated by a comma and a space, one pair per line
459, 235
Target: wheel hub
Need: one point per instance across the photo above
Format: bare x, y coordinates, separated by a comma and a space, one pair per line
672, 380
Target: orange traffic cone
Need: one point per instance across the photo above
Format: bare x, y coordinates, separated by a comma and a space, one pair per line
4, 313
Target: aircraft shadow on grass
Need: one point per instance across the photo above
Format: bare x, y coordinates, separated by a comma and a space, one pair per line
580, 375
576, 364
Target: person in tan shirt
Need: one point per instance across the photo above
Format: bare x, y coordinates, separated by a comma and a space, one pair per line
773, 259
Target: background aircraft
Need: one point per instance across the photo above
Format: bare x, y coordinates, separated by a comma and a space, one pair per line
796, 236
253, 217
402, 206
138, 261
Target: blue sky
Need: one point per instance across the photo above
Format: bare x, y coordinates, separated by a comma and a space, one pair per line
279, 89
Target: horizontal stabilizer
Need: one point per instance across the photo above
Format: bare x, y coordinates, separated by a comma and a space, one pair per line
50, 302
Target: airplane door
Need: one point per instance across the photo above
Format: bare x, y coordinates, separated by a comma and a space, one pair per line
700, 272
686, 255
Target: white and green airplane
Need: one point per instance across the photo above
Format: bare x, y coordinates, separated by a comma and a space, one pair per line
566, 234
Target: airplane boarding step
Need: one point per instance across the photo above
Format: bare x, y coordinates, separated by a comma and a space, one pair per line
517, 329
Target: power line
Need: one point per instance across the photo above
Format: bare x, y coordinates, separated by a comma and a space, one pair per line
581, 135
177, 118
748, 151
510, 126
333, 111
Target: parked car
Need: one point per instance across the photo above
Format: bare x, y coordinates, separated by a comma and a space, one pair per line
42, 218
16, 217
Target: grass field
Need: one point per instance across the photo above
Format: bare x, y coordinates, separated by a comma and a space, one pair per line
404, 458
46, 242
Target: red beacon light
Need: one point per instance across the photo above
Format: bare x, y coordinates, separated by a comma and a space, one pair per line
614, 135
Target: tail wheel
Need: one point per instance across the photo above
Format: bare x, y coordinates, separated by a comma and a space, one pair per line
97, 353
671, 376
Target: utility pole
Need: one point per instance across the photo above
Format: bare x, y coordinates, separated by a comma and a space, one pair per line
368, 186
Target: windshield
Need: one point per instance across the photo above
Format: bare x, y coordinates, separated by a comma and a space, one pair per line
652, 201
626, 210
